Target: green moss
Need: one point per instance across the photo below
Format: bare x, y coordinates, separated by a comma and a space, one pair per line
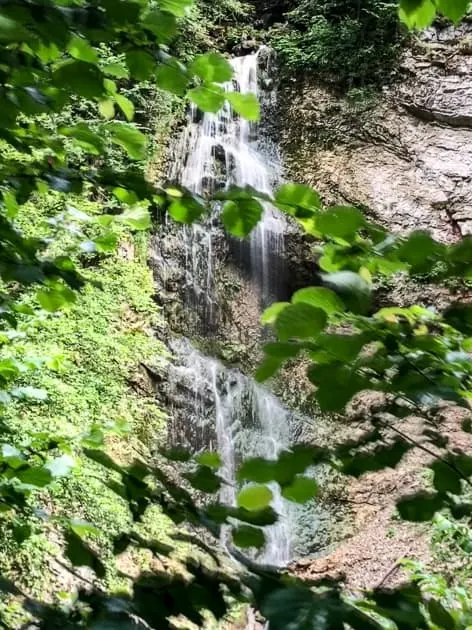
344, 43
98, 347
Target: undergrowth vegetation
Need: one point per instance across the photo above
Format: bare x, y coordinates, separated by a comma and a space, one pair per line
86, 499
345, 43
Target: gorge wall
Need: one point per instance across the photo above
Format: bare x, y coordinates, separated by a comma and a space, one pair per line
405, 155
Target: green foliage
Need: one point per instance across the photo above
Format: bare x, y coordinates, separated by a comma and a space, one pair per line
60, 411
343, 42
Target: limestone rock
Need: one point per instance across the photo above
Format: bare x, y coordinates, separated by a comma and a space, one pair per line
406, 157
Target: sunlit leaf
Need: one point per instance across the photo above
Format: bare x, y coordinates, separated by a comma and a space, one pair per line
246, 105
212, 460
269, 316
80, 49
212, 67
300, 320
207, 98
179, 8
256, 497
320, 297
241, 216
301, 490
125, 105
172, 76
128, 137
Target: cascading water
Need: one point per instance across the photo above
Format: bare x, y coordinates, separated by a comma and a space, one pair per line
222, 407
216, 151
231, 413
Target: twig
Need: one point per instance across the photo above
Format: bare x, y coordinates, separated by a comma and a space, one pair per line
395, 567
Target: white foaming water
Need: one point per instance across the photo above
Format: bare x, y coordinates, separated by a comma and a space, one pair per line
241, 419
224, 409
214, 152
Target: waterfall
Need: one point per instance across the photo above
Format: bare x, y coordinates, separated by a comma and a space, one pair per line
218, 407
214, 152
230, 413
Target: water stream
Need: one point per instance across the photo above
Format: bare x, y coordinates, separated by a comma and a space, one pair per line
224, 409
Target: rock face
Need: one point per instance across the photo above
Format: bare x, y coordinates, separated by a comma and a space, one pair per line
405, 156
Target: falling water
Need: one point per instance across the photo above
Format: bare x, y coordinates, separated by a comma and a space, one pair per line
214, 152
222, 408
231, 413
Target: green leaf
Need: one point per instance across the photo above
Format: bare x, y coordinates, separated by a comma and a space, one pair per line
296, 461
453, 9
420, 507
320, 297
125, 105
56, 299
212, 460
294, 196
141, 64
208, 98
186, 210
179, 8
221, 513
336, 385
267, 369
128, 137
459, 316
11, 30
176, 454
107, 109
342, 222
84, 137
11, 456
246, 536
446, 479
419, 251
241, 216
204, 479
212, 67
287, 350
246, 105
35, 476
354, 291
83, 528
269, 316
173, 77
137, 218
257, 469
163, 25
301, 490
343, 348
106, 242
80, 77
116, 70
300, 320
80, 49
417, 14
383, 456
441, 617
256, 497
22, 532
